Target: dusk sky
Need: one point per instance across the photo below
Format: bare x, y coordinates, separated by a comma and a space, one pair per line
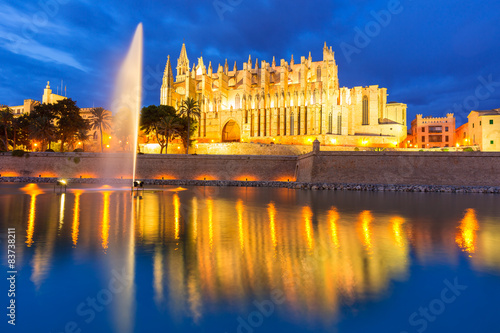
435, 56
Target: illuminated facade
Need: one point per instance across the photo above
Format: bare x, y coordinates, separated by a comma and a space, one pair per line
484, 129
433, 132
288, 103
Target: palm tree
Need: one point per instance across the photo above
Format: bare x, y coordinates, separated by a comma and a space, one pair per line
6, 119
101, 119
191, 109
169, 127
42, 128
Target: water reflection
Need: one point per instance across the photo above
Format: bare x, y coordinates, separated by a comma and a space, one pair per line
204, 252
466, 237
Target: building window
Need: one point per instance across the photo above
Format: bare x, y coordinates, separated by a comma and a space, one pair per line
423, 129
291, 124
491, 121
423, 138
491, 142
284, 121
339, 123
480, 123
251, 124
446, 129
278, 124
246, 116
365, 111
446, 139
435, 138
472, 125
237, 101
436, 129
330, 123
318, 74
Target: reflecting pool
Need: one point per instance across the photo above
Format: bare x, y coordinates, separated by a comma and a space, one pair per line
207, 259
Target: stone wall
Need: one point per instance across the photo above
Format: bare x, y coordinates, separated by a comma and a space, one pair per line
427, 168
408, 168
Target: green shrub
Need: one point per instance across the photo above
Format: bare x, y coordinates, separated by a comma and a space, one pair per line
18, 153
445, 149
468, 149
356, 149
421, 150
78, 150
49, 150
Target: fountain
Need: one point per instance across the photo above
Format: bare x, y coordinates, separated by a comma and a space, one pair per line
127, 96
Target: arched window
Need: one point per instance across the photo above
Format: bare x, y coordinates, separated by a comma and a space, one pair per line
291, 124
318, 74
251, 124
365, 111
339, 123
246, 116
284, 121
320, 119
258, 123
237, 101
300, 75
278, 127
330, 123
298, 121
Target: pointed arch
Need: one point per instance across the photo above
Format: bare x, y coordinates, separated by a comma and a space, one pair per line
318, 74
291, 123
339, 123
237, 101
330, 123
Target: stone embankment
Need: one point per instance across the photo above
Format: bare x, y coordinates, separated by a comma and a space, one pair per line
290, 185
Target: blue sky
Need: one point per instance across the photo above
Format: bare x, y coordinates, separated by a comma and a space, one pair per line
436, 56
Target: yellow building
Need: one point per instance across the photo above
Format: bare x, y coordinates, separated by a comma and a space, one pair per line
26, 108
50, 98
287, 103
484, 129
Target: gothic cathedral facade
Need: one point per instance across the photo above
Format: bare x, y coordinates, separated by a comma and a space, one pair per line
287, 103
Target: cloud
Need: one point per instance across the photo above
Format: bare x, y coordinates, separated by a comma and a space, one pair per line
29, 48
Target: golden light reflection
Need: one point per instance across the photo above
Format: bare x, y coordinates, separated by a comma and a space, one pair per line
466, 237
195, 217
61, 210
366, 219
177, 215
105, 221
307, 216
239, 210
397, 223
271, 210
33, 190
210, 206
333, 217
76, 218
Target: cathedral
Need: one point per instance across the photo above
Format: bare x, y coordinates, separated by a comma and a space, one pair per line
285, 103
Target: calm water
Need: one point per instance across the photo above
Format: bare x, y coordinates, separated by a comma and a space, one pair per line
251, 260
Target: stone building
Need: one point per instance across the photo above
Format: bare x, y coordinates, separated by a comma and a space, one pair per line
433, 132
484, 129
285, 102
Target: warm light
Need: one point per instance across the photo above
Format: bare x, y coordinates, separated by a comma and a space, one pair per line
411, 145
121, 141
395, 143
177, 215
416, 146
212, 140
334, 141
271, 210
105, 221
364, 142
36, 144
466, 238
107, 146
127, 142
79, 143
63, 181
307, 215
178, 147
366, 219
457, 145
109, 137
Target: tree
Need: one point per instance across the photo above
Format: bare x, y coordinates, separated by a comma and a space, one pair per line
101, 120
21, 127
161, 121
40, 120
183, 133
69, 121
6, 119
191, 110
43, 129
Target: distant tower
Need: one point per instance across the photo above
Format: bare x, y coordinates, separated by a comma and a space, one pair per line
47, 92
167, 84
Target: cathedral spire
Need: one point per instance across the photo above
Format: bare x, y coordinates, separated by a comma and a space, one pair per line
256, 64
274, 61
183, 62
235, 68
210, 70
310, 58
226, 67
249, 61
292, 62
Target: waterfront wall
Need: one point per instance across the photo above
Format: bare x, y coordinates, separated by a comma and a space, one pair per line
403, 168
